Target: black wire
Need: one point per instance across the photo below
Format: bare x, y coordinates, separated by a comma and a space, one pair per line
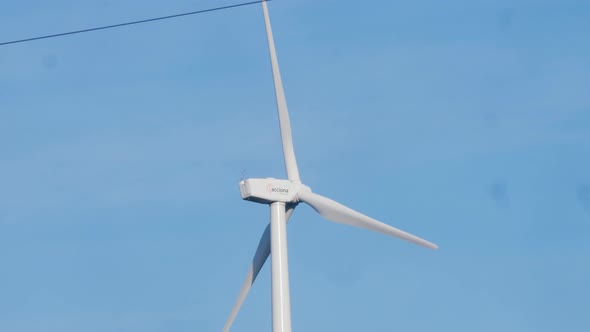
131, 23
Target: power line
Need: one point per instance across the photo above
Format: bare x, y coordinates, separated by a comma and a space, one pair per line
131, 23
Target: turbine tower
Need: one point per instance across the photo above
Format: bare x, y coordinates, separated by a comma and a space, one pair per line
283, 196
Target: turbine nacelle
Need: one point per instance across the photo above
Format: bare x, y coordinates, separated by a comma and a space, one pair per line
269, 190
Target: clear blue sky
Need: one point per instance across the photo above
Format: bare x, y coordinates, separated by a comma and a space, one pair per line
464, 122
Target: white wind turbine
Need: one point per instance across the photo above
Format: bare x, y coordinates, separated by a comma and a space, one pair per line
283, 196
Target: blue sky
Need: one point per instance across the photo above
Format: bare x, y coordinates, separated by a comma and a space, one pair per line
464, 122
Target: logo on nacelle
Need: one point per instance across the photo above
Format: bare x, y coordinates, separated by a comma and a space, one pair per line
272, 189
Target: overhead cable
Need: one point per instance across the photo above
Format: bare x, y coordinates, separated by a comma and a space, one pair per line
130, 23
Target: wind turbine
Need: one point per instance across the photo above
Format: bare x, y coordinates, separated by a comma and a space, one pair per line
283, 196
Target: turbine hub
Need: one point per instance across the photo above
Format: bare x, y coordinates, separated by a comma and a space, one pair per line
270, 190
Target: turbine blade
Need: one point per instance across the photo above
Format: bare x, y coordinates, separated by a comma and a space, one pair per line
286, 137
260, 257
339, 213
